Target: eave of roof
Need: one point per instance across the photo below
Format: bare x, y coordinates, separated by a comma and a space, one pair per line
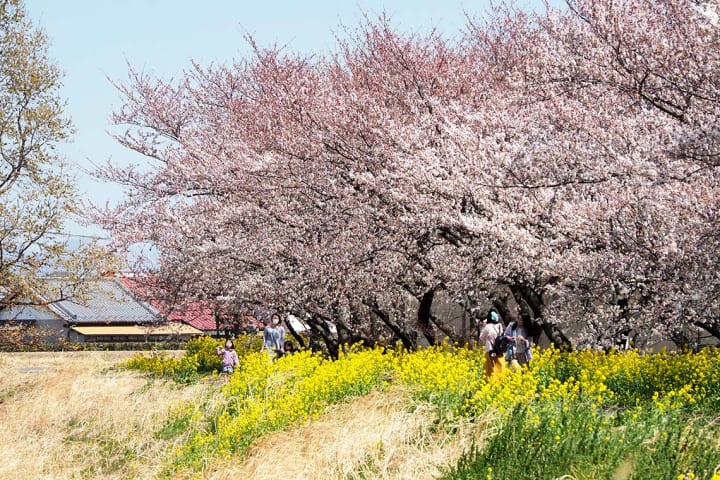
135, 330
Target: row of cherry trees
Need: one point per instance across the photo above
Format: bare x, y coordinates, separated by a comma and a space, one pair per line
570, 156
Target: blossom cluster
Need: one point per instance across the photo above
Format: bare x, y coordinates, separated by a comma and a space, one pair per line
570, 155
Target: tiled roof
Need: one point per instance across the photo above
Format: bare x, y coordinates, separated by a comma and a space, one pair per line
201, 316
107, 302
23, 313
198, 314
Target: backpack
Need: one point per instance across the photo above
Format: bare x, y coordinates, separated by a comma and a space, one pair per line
500, 344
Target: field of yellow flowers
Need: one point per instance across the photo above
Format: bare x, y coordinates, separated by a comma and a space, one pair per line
583, 414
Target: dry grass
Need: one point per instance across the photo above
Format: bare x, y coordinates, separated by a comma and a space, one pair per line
71, 415
374, 437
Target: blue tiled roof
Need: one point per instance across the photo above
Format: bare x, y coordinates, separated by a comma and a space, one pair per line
107, 302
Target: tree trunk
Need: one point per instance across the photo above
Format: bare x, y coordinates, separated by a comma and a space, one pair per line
216, 316
712, 329
318, 324
424, 316
404, 336
295, 335
533, 300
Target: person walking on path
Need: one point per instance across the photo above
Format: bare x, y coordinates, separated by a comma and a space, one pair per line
492, 329
274, 337
230, 358
519, 341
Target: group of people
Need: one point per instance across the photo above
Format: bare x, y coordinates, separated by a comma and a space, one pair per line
273, 341
274, 337
516, 347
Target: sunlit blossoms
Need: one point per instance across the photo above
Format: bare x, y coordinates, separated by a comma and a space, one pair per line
570, 156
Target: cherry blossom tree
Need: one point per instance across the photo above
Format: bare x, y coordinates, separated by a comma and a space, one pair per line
569, 157
643, 74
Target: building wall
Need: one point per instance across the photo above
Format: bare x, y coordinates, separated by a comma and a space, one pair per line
75, 337
39, 317
54, 327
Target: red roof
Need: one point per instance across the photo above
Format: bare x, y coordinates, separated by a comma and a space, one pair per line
200, 316
197, 314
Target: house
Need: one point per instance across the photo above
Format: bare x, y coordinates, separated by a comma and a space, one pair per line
202, 315
198, 315
108, 313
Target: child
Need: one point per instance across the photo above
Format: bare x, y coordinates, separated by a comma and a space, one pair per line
289, 347
229, 358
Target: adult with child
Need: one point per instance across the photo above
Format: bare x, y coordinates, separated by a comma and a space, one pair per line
492, 329
230, 358
274, 337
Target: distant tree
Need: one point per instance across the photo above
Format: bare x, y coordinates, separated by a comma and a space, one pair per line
37, 194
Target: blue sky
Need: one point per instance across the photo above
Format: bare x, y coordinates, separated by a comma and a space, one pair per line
93, 40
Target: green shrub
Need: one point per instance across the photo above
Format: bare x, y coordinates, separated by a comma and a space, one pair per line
204, 353
248, 343
157, 364
200, 357
185, 369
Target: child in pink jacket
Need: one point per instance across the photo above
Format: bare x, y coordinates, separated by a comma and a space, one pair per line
229, 358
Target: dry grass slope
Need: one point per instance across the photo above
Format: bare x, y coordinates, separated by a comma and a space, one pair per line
374, 437
71, 415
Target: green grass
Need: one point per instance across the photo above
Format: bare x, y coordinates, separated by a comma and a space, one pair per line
555, 440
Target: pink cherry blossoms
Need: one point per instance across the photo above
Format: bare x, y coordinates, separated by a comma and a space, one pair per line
571, 157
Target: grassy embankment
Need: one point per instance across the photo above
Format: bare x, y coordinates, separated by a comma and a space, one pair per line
76, 415
372, 414
73, 415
